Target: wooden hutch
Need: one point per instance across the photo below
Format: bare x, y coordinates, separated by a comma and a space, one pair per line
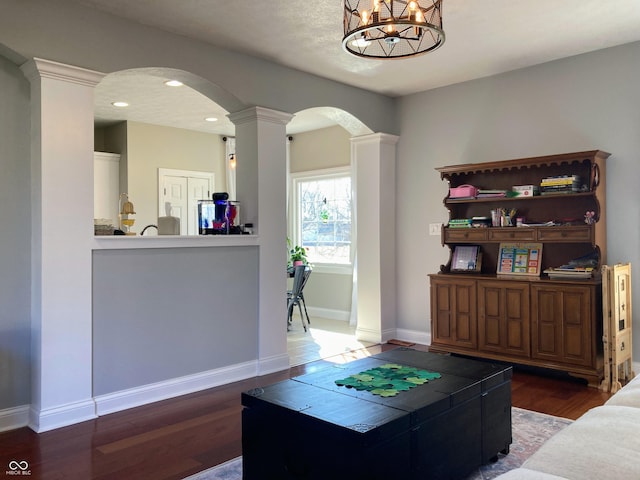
532, 320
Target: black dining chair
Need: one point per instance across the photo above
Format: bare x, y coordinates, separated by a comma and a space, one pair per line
307, 274
295, 296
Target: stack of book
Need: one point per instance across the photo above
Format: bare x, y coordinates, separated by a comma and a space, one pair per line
460, 223
569, 272
582, 267
562, 184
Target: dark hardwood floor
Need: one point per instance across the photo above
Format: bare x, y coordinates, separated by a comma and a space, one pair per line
176, 438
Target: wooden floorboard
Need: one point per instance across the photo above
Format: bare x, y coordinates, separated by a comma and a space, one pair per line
175, 438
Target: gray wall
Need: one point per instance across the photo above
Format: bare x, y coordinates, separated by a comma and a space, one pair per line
15, 237
160, 314
587, 102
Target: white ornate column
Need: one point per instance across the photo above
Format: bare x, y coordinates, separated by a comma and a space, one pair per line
62, 228
261, 189
374, 158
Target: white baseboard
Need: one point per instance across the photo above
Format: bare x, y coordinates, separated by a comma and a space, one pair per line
49, 419
329, 313
273, 364
61, 416
413, 336
12, 418
134, 397
368, 335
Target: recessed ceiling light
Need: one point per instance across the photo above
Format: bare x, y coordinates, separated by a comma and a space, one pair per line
173, 83
120, 104
211, 119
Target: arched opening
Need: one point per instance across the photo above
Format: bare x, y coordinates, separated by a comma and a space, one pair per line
169, 140
321, 214
160, 119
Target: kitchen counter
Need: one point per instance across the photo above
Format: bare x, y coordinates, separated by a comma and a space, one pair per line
116, 242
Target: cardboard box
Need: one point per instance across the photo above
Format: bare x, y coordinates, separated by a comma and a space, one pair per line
526, 190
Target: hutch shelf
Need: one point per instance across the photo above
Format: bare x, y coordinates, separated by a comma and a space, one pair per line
534, 320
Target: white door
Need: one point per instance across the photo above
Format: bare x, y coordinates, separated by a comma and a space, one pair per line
199, 189
179, 192
175, 200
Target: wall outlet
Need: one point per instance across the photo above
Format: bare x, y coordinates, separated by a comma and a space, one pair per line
434, 228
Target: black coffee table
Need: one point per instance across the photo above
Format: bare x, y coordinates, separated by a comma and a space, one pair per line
309, 427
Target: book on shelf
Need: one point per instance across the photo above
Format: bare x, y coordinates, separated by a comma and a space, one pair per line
558, 183
484, 193
559, 190
563, 180
566, 272
460, 223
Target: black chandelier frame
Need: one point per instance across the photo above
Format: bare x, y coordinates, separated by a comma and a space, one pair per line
388, 29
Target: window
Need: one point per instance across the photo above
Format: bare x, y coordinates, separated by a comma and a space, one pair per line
322, 215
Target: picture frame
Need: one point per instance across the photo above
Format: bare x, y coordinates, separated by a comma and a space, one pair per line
466, 258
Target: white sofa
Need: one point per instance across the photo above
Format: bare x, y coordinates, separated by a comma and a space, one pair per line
603, 444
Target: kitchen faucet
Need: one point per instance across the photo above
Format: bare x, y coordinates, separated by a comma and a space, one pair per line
145, 228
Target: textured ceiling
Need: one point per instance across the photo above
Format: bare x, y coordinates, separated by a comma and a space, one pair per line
483, 37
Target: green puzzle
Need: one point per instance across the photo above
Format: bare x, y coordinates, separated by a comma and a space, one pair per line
388, 380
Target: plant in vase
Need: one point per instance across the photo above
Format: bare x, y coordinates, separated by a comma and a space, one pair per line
297, 254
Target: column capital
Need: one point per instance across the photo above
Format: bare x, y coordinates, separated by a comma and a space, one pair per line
37, 68
260, 114
381, 138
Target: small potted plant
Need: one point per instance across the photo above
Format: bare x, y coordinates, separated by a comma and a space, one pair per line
298, 255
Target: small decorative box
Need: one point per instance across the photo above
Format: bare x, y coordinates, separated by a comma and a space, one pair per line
463, 191
526, 190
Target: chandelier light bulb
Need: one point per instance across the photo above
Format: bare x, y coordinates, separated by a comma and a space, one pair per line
376, 11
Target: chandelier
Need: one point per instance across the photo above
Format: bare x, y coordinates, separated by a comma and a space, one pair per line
392, 28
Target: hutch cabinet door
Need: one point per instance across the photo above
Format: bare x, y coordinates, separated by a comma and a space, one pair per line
563, 320
453, 312
503, 317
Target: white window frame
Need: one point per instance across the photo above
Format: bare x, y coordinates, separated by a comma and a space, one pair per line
294, 217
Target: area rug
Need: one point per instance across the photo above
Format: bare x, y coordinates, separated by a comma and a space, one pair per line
529, 430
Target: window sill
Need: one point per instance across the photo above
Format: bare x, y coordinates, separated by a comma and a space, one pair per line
332, 268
